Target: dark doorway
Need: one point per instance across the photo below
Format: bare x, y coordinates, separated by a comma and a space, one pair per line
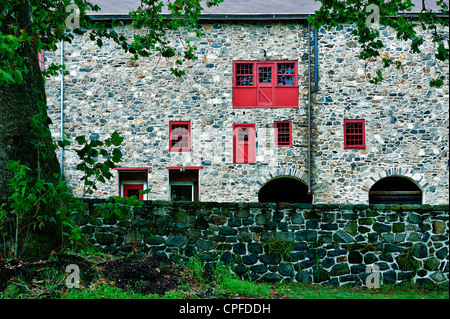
284, 189
395, 190
183, 185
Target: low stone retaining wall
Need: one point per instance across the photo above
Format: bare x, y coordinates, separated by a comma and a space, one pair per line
326, 244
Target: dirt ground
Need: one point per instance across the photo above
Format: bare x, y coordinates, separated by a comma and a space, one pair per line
146, 274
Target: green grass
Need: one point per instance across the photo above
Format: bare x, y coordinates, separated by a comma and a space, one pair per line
220, 284
235, 287
103, 290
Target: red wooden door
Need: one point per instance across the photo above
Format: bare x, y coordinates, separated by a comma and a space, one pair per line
133, 189
244, 143
265, 84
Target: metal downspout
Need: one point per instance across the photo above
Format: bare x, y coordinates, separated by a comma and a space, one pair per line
62, 109
316, 62
309, 109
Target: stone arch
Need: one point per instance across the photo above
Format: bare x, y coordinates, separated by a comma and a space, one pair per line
395, 189
279, 172
284, 188
409, 174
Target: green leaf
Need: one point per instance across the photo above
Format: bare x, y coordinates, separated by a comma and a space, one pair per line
117, 155
116, 139
64, 143
81, 139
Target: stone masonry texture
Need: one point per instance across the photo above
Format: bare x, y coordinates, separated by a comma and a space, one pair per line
330, 244
406, 119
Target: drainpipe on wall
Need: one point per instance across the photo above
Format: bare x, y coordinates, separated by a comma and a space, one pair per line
316, 62
62, 108
309, 109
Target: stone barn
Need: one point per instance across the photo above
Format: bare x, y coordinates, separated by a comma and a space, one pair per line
272, 111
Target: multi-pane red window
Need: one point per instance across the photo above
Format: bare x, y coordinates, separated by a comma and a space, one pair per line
354, 134
286, 73
180, 136
265, 84
244, 143
244, 74
283, 133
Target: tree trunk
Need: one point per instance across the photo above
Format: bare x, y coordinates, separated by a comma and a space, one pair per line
18, 105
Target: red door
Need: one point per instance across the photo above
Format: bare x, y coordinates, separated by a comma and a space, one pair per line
133, 189
244, 143
265, 82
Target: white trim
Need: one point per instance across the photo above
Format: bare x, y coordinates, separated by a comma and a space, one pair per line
140, 182
181, 184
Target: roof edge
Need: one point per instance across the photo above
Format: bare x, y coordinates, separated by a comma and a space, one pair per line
221, 17
237, 16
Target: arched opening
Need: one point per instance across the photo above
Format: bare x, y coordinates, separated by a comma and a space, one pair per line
284, 189
395, 190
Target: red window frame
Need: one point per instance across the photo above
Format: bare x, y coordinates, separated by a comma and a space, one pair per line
265, 84
179, 136
244, 144
354, 134
283, 133
137, 187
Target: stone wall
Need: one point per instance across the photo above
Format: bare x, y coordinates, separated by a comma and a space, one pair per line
104, 92
326, 244
406, 119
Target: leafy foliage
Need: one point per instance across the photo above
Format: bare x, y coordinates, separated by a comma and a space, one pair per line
33, 205
49, 28
41, 199
93, 169
395, 14
283, 248
37, 204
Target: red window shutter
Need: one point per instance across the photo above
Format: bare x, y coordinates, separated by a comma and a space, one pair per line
179, 136
244, 143
244, 84
354, 134
265, 84
286, 91
283, 133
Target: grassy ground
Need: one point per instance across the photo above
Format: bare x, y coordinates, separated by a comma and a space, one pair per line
187, 282
238, 289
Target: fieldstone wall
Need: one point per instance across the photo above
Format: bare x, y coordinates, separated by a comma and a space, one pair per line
406, 119
105, 91
324, 244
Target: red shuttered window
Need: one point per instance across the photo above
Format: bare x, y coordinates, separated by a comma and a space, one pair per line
265, 84
179, 136
354, 134
244, 143
244, 74
283, 133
